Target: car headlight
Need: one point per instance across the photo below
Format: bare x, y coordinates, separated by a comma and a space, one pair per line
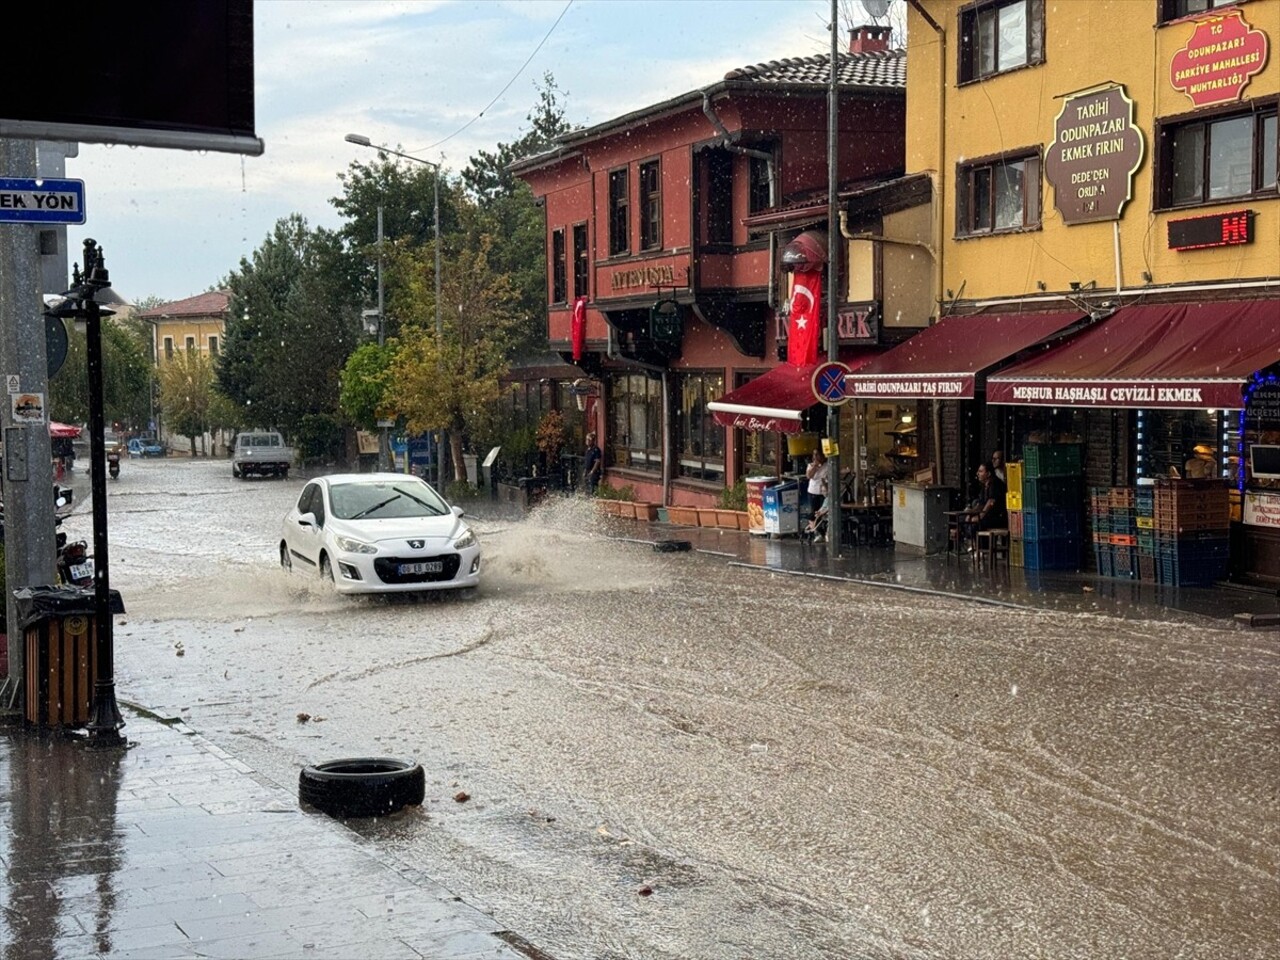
468, 539
354, 546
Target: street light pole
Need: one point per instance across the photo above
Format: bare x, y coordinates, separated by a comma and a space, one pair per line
362, 141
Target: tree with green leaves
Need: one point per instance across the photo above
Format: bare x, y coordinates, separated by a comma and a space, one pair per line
126, 377
294, 318
187, 394
505, 207
364, 384
451, 382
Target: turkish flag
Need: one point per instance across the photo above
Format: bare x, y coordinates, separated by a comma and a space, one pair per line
578, 328
802, 329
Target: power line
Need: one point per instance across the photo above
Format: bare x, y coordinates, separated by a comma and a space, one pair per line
513, 79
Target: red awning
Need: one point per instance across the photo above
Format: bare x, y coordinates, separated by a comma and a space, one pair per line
63, 430
776, 400
1176, 356
942, 362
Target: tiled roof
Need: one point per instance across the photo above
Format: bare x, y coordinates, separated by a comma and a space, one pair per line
204, 305
886, 69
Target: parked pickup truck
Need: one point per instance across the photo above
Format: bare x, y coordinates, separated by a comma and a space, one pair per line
261, 452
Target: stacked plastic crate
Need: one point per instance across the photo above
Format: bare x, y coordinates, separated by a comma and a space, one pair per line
1144, 503
1052, 506
1013, 500
1115, 539
1192, 531
1100, 522
1123, 538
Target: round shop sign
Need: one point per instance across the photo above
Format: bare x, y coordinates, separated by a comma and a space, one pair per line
1095, 152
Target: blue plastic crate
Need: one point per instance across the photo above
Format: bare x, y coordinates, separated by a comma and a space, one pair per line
1105, 560
1048, 523
1059, 553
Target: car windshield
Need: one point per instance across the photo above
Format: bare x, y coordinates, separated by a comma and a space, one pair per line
383, 500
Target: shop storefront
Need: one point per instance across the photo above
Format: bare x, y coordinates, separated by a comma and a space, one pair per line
1186, 373
944, 363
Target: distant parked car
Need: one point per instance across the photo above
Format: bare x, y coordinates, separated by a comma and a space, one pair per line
145, 447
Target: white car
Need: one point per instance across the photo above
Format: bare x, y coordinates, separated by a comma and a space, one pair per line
379, 533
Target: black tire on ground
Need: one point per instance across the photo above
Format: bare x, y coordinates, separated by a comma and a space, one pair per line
362, 786
672, 546
284, 474
235, 472
286, 561
326, 570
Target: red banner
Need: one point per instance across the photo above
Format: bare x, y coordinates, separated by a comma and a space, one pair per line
803, 327
578, 328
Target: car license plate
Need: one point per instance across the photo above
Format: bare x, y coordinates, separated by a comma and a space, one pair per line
428, 566
82, 571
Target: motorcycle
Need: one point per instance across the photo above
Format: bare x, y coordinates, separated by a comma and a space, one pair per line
113, 464
75, 566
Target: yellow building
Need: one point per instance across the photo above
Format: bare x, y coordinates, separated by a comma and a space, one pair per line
1105, 243
197, 323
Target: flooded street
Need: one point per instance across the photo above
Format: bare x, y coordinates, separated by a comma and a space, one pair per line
669, 757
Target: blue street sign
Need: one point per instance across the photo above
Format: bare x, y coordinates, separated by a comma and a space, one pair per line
41, 200
828, 383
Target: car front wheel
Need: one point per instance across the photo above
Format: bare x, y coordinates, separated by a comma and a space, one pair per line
326, 571
286, 561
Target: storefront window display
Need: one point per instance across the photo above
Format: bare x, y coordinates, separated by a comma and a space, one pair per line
699, 439
1182, 443
635, 437
759, 448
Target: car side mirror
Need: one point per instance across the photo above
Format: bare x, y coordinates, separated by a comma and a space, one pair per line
307, 520
458, 511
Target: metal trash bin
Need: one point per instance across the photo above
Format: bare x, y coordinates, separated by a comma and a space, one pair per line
59, 625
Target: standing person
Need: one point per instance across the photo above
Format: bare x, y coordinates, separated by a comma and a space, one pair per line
592, 465
816, 472
997, 466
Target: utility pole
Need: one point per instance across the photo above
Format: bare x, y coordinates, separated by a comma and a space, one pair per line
834, 486
27, 477
384, 444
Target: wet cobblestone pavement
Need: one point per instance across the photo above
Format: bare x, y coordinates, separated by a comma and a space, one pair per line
171, 849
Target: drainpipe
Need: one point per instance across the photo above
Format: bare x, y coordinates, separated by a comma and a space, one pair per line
939, 189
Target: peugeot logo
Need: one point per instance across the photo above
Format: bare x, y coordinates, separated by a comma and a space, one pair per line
416, 544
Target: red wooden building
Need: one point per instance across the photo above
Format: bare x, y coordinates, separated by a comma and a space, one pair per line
646, 219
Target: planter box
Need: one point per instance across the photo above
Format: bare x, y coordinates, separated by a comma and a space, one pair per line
706, 516
683, 515
646, 511
728, 519
609, 508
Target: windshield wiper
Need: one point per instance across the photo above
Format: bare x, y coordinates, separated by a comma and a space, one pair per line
432, 511
377, 506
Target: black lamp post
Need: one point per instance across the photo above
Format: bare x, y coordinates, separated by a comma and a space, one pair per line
82, 303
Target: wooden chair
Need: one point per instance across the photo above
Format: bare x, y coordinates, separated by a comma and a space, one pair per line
993, 545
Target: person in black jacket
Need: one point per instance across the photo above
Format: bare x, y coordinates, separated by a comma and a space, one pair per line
989, 511
592, 465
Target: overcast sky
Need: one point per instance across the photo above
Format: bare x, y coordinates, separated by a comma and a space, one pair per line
173, 223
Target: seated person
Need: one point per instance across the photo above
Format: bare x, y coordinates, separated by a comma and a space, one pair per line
989, 511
